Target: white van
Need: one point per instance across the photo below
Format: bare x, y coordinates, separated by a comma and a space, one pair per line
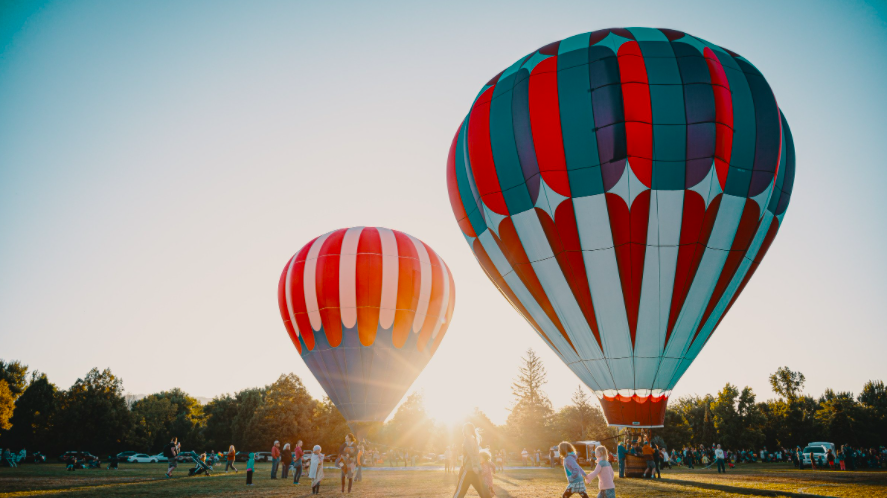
817, 450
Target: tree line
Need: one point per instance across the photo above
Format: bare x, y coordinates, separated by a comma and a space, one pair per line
93, 415
735, 419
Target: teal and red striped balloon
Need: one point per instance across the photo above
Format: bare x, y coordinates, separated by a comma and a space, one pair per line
620, 188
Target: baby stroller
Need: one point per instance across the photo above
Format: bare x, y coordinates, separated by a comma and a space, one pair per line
200, 467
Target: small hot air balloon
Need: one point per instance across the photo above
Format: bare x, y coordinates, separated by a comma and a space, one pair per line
366, 308
620, 188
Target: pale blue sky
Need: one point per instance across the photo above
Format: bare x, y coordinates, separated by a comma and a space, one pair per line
161, 161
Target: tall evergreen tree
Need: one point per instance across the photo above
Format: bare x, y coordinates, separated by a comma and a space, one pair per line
530, 419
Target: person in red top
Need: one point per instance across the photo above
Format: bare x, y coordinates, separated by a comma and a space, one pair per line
297, 462
275, 459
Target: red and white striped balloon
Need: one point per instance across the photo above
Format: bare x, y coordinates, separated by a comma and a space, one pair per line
378, 288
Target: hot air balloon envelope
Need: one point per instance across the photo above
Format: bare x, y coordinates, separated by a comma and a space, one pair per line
366, 308
620, 188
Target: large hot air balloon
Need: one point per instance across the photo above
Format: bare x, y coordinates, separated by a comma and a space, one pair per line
366, 308
620, 188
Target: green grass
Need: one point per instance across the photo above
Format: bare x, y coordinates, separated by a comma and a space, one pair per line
148, 480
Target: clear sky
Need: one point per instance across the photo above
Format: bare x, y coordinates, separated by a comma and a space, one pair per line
161, 161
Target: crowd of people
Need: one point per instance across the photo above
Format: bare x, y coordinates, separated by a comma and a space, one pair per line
350, 459
844, 458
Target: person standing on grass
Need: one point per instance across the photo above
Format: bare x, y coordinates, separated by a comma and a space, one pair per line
297, 462
524, 454
360, 449
487, 469
250, 468
719, 457
286, 458
620, 456
315, 472
657, 460
275, 459
447, 457
230, 459
604, 473
647, 452
171, 452
470, 473
346, 460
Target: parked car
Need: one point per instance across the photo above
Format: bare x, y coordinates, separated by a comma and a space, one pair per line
184, 458
123, 455
141, 458
263, 456
241, 456
160, 457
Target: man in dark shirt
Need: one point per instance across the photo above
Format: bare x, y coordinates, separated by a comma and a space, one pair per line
171, 452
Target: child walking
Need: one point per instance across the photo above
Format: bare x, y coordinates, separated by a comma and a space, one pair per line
250, 467
316, 471
575, 474
604, 474
487, 470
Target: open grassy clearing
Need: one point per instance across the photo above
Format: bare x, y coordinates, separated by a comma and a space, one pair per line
148, 480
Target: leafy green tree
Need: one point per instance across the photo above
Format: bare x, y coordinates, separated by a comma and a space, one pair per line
838, 417
93, 415
677, 432
873, 411
16, 376
287, 412
330, 426
7, 405
33, 416
441, 437
736, 418
244, 433
726, 418
529, 422
410, 426
787, 384
792, 418
220, 413
751, 433
582, 421
491, 436
160, 416
874, 395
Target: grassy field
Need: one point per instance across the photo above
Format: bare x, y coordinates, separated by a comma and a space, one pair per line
148, 480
